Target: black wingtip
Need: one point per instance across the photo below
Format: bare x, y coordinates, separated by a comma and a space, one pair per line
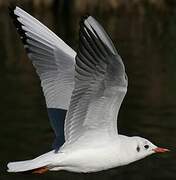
83, 18
17, 24
86, 16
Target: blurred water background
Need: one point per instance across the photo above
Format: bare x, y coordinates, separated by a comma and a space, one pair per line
144, 32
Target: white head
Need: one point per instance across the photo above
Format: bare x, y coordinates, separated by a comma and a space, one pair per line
136, 148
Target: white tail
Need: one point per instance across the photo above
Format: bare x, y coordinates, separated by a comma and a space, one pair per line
22, 166
39, 162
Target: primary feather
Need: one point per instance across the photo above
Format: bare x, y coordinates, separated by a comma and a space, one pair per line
100, 84
54, 61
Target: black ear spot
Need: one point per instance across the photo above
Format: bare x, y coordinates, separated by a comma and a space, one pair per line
126, 77
138, 149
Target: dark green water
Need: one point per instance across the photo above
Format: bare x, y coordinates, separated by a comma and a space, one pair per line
147, 43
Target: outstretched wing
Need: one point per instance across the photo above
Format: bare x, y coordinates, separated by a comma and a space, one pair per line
54, 62
100, 84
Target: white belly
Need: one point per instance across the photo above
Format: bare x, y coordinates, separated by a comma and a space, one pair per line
88, 160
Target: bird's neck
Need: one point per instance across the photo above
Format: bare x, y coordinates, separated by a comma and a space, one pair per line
126, 150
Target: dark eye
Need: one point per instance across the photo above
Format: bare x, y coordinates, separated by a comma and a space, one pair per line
138, 149
146, 146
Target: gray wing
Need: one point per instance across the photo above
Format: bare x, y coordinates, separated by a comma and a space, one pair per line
100, 84
54, 62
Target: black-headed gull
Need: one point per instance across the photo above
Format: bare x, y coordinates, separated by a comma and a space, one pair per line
91, 85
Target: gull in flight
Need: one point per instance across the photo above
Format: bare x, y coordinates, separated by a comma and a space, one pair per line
83, 91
